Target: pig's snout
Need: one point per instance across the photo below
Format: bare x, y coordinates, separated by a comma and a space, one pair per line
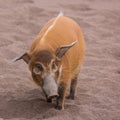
50, 93
50, 87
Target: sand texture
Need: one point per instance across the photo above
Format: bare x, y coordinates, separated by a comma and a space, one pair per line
98, 92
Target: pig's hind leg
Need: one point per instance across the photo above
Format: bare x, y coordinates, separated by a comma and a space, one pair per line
73, 88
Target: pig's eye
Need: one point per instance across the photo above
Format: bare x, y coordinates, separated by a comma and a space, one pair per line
39, 67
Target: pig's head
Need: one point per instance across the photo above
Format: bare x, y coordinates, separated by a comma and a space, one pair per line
46, 68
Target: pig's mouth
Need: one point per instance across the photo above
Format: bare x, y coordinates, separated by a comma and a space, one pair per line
52, 96
49, 97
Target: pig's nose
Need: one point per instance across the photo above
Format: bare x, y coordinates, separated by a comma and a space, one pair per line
53, 96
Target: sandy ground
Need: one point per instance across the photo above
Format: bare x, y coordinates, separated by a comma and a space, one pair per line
98, 92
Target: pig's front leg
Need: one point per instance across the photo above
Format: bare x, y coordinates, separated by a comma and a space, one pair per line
60, 100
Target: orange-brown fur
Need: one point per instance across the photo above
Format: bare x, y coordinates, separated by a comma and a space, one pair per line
64, 32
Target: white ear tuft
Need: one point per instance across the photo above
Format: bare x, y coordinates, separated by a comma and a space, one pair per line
70, 45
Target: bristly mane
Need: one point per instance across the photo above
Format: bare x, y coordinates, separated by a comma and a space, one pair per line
50, 28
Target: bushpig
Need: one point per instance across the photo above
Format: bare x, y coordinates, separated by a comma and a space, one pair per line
55, 58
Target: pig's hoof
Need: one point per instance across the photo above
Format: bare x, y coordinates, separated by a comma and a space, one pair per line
49, 100
58, 107
70, 97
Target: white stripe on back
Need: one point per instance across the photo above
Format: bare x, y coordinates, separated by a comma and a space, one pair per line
50, 28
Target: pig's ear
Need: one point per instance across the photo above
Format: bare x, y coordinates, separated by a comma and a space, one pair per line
60, 52
25, 57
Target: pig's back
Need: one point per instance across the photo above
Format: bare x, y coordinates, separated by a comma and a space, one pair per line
65, 32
